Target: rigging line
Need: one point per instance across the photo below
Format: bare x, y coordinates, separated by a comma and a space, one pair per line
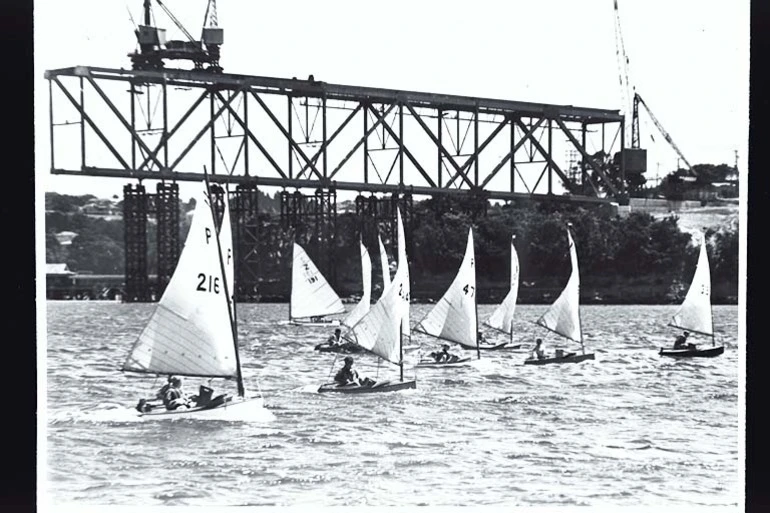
449, 132
157, 102
299, 120
222, 158
376, 132
131, 17
467, 129
375, 168
317, 110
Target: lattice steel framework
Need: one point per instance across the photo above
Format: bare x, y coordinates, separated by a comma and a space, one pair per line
135, 202
311, 134
166, 202
314, 221
245, 206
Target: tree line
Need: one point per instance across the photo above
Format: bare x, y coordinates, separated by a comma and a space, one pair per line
631, 259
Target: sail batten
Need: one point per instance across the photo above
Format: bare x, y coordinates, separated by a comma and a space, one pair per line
695, 312
311, 294
563, 317
364, 304
453, 318
190, 332
502, 318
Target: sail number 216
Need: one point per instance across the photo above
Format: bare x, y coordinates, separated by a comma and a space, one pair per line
208, 283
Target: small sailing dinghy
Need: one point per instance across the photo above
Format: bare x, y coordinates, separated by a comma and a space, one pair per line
563, 317
381, 330
454, 317
193, 329
502, 318
312, 298
694, 315
357, 313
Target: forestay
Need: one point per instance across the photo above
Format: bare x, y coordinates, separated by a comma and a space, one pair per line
311, 294
502, 318
454, 316
363, 306
379, 330
385, 265
563, 317
695, 312
190, 332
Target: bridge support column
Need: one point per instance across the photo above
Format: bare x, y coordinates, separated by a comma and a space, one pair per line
135, 202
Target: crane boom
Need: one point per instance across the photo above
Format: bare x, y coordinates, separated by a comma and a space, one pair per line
637, 100
176, 22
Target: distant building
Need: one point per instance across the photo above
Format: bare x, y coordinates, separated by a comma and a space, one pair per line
65, 239
101, 208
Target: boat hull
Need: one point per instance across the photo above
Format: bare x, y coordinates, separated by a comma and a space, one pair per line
460, 362
380, 386
575, 358
692, 353
490, 347
344, 348
229, 406
329, 322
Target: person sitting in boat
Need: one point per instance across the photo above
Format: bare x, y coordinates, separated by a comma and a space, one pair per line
175, 397
336, 339
480, 338
681, 341
162, 391
444, 355
347, 374
538, 350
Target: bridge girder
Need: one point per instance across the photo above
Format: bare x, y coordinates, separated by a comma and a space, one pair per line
325, 135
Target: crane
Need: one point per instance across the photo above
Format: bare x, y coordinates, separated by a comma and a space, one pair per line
153, 47
635, 124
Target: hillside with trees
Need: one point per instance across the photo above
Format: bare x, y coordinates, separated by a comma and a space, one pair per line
631, 259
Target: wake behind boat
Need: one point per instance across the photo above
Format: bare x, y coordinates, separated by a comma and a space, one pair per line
694, 315
193, 329
563, 318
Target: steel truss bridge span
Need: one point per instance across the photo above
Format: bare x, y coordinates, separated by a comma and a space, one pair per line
296, 133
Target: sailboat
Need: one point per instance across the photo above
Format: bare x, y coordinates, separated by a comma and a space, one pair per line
312, 298
192, 331
357, 313
563, 317
694, 315
502, 318
454, 317
380, 331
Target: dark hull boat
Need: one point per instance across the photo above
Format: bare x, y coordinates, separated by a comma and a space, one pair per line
491, 347
692, 353
380, 386
571, 358
457, 362
343, 348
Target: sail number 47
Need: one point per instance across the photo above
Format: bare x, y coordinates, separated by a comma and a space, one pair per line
469, 289
208, 283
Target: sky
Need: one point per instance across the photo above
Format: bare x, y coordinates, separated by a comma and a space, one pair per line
689, 60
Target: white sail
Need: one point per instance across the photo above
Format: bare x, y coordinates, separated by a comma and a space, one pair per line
385, 265
364, 305
453, 318
502, 318
311, 294
379, 331
563, 317
404, 290
190, 332
695, 312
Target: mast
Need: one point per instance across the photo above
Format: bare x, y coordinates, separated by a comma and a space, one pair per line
230, 308
476, 306
401, 348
